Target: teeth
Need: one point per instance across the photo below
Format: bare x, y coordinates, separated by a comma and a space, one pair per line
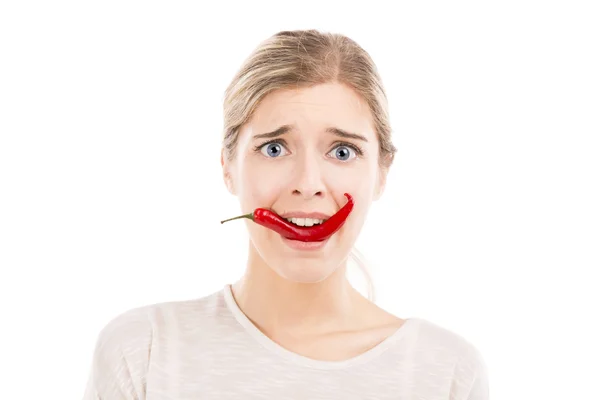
305, 221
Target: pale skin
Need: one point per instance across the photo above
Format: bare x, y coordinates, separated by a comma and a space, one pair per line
301, 298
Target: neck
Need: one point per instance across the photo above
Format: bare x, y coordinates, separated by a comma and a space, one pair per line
279, 306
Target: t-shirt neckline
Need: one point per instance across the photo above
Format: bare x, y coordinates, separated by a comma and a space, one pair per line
291, 356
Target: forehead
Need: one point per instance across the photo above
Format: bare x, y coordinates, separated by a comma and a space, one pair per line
314, 108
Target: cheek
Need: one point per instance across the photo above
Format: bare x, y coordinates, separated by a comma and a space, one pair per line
358, 180
360, 183
260, 184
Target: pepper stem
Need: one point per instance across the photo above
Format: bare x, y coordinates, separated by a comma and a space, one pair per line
249, 216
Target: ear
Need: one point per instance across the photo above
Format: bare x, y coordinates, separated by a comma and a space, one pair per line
381, 182
227, 177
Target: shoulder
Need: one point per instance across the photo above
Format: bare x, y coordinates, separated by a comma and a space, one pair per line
134, 330
441, 338
124, 331
469, 378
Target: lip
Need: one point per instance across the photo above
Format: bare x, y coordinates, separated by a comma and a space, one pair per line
304, 246
301, 214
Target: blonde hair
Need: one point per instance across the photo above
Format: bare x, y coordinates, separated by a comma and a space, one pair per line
303, 58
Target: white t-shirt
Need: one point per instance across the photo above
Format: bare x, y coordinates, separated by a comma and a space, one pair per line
208, 349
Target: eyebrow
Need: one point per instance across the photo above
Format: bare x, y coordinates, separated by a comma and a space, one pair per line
282, 130
345, 134
277, 132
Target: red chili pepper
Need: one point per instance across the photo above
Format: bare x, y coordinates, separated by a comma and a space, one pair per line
273, 221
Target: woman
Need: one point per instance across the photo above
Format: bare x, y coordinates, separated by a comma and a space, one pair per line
306, 137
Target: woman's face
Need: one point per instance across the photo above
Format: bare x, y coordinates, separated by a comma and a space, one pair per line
327, 147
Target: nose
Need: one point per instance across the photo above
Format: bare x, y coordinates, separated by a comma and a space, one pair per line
308, 180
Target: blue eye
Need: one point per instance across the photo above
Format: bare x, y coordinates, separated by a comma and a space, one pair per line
272, 149
344, 153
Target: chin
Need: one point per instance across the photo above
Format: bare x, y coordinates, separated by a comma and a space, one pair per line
301, 262
304, 270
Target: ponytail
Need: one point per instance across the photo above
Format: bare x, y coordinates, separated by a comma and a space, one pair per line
360, 262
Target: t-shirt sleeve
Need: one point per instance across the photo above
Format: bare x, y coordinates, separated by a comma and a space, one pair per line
120, 358
470, 381
479, 388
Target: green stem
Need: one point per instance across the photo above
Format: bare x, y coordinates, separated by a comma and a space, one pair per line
249, 216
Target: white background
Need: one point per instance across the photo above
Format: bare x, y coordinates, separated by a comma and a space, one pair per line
111, 190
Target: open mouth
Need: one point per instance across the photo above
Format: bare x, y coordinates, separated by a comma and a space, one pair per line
298, 228
305, 221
